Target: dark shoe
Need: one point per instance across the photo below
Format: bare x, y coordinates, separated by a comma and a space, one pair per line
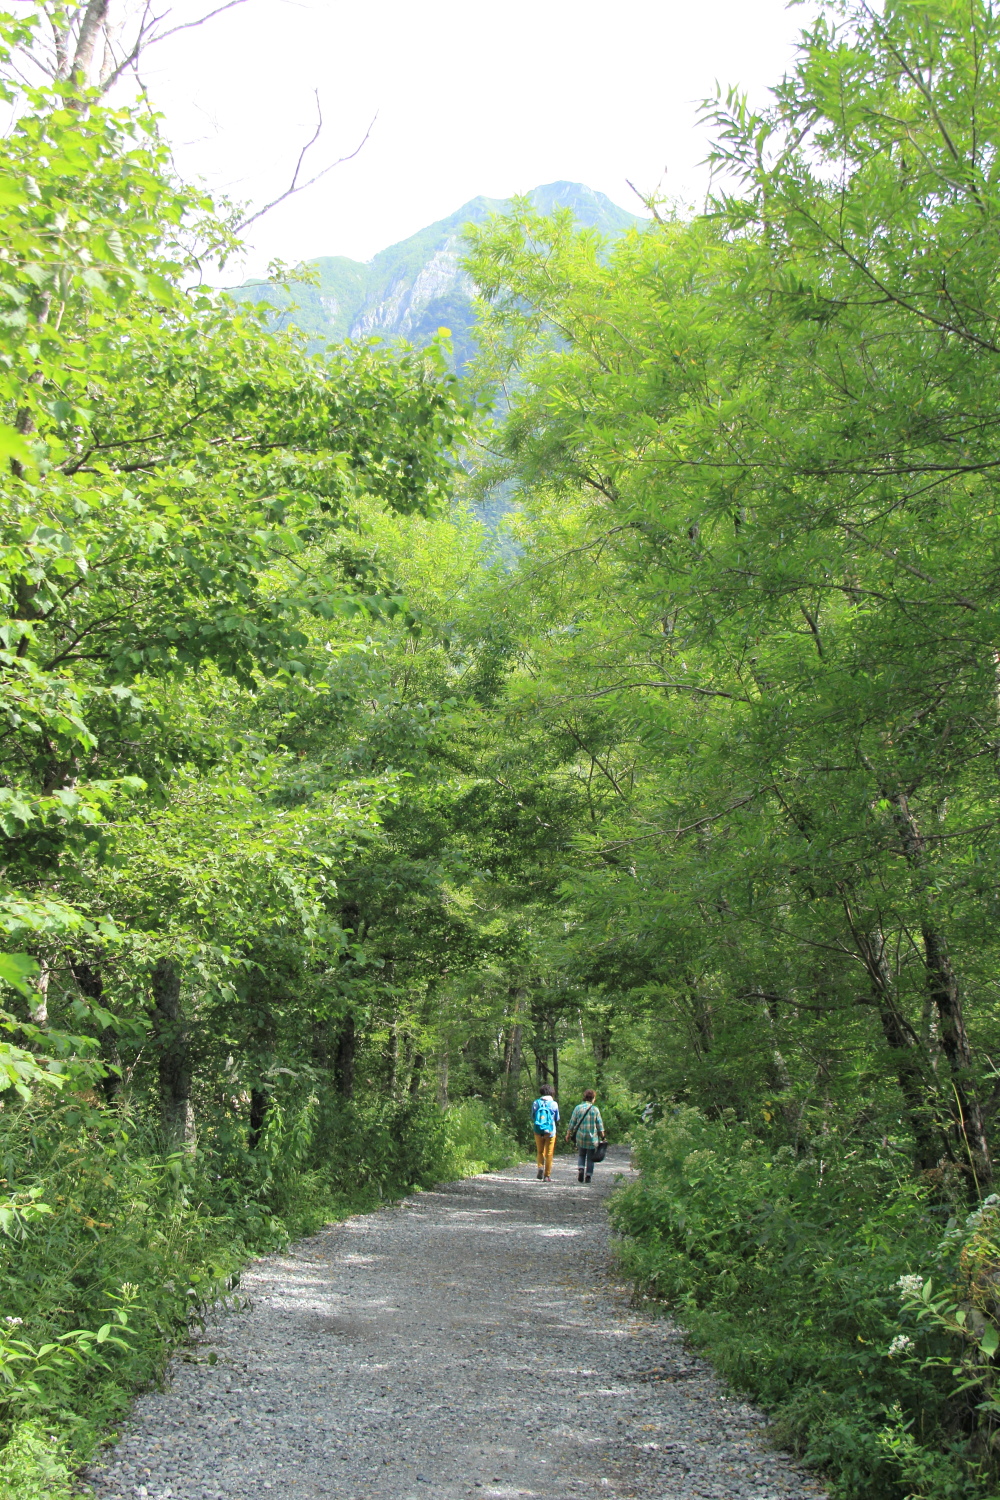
586, 1179
541, 1174
579, 1176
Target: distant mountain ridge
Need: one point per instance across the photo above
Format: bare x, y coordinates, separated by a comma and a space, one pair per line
410, 290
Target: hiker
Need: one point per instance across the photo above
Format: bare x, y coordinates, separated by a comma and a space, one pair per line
545, 1120
586, 1131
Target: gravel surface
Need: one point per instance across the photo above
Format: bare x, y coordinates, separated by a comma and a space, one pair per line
468, 1341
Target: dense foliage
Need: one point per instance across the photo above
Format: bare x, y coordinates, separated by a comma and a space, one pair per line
334, 823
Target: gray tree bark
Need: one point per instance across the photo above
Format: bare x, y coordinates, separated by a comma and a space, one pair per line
174, 1049
512, 1055
92, 987
91, 27
39, 1010
343, 1066
899, 1036
942, 986
416, 1077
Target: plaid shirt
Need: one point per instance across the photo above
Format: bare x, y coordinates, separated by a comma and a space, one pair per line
586, 1125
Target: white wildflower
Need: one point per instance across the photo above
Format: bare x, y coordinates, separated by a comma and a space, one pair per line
901, 1344
14, 1322
911, 1286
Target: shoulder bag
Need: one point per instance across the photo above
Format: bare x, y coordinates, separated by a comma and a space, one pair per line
601, 1149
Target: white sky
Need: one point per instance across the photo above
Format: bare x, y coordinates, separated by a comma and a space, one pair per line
471, 98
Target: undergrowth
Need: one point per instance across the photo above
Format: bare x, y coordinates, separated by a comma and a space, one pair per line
112, 1253
808, 1279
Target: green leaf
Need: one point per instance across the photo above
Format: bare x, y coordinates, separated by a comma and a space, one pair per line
16, 969
12, 445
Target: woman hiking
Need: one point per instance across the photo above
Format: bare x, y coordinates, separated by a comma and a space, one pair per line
586, 1131
545, 1123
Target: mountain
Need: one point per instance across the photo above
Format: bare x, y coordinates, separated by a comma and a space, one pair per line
414, 288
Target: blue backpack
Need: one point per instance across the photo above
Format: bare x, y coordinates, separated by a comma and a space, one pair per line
543, 1116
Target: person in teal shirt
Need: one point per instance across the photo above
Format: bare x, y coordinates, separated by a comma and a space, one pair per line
586, 1130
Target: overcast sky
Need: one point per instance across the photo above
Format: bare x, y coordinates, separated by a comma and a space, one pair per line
470, 98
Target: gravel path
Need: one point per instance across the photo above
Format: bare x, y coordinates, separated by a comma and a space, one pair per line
467, 1341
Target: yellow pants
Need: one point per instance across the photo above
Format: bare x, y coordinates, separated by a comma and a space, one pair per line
545, 1150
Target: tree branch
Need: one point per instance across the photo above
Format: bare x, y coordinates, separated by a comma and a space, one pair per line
299, 187
148, 37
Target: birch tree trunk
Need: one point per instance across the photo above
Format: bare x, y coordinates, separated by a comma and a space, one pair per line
39, 1010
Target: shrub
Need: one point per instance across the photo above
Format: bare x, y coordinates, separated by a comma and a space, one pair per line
785, 1267
33, 1466
475, 1141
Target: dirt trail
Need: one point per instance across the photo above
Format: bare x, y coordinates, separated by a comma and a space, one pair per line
468, 1341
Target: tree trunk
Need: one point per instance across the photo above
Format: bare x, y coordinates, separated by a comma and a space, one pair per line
260, 1052
776, 1073
417, 1075
90, 29
602, 1049
701, 1017
512, 1068
928, 1146
320, 1047
942, 986
899, 1037
259, 1102
173, 1046
343, 1065
512, 1055
91, 986
39, 1008
392, 1046
392, 1059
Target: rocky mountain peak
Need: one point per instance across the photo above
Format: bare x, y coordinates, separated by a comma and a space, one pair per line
411, 289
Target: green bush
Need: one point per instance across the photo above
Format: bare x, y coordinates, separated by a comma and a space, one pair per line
785, 1269
33, 1466
475, 1141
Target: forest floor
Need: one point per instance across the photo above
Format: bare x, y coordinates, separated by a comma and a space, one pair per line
466, 1341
